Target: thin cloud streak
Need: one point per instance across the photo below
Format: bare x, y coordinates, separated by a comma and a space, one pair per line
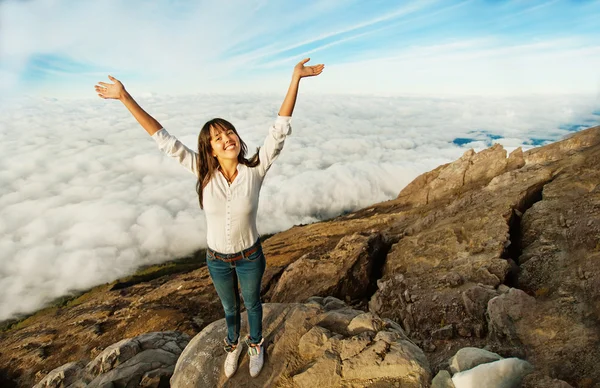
263, 53
168, 49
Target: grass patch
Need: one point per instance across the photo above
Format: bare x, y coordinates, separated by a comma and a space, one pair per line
51, 308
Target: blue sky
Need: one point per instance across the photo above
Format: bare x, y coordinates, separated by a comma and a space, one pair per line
61, 47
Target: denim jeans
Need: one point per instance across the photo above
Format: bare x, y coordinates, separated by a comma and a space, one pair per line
249, 270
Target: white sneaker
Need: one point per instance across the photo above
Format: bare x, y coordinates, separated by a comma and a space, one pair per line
257, 357
231, 361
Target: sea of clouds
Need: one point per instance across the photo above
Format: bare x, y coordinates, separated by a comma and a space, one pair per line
87, 197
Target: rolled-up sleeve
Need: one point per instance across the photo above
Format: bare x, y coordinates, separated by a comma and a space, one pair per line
274, 143
172, 147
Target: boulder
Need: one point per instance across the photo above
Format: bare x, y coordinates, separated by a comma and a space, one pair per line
147, 360
308, 345
442, 380
468, 358
505, 373
63, 376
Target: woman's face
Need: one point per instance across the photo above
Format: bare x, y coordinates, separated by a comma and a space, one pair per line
225, 143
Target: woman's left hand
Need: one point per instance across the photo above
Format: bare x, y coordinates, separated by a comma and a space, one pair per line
302, 71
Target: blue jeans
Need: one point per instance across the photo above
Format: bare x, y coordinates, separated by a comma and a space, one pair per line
249, 270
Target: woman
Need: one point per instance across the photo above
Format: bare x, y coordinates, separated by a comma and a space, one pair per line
228, 186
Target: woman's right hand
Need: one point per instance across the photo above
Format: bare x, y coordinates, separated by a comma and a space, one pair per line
115, 91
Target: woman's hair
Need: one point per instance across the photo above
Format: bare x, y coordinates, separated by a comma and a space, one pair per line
207, 163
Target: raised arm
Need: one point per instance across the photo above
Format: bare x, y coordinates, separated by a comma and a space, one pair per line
117, 91
300, 71
281, 128
168, 143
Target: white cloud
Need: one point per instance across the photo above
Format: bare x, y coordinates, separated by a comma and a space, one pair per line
86, 196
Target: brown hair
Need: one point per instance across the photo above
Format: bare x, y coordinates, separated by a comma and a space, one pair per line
208, 164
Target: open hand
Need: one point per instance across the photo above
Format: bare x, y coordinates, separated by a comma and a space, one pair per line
106, 90
302, 71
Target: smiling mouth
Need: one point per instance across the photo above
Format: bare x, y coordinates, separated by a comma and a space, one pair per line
232, 146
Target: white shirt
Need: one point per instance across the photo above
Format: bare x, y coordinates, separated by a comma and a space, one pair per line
231, 210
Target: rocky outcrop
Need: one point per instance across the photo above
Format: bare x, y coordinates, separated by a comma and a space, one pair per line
445, 279
344, 272
471, 170
322, 343
144, 361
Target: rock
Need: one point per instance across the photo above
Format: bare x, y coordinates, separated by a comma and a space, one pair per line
484, 276
545, 329
325, 372
148, 357
306, 354
350, 347
63, 376
475, 300
315, 299
365, 322
467, 358
311, 344
515, 160
453, 279
343, 272
506, 373
147, 360
463, 331
538, 380
486, 165
442, 380
507, 309
332, 303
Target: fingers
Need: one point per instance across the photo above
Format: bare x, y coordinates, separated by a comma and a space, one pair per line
113, 79
100, 91
316, 70
106, 90
304, 60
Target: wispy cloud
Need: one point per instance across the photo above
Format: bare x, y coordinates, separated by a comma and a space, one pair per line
176, 47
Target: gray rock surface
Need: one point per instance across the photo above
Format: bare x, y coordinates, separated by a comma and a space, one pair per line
309, 345
63, 376
442, 380
147, 361
467, 358
505, 373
